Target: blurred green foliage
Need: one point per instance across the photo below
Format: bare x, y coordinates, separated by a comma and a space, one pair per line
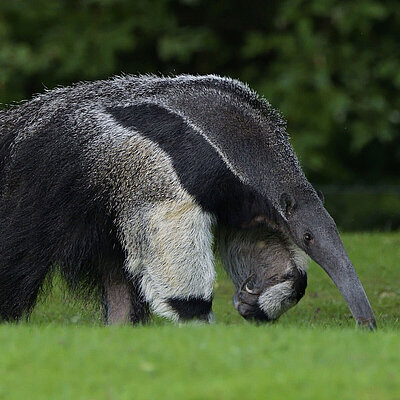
331, 66
359, 208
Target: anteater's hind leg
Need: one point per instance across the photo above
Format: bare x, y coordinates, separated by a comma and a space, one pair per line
20, 284
123, 302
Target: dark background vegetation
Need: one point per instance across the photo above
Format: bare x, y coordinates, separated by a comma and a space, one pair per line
331, 66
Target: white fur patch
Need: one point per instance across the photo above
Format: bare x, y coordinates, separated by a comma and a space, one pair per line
299, 258
179, 262
274, 301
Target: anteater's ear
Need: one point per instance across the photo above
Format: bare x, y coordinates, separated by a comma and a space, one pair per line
321, 196
287, 203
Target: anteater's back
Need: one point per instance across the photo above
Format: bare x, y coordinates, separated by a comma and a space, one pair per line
89, 171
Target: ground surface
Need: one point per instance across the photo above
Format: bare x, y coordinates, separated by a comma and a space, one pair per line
313, 352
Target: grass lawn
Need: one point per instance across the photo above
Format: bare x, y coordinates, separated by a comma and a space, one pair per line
313, 352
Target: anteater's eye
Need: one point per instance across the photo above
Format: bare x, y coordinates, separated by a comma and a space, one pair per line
308, 238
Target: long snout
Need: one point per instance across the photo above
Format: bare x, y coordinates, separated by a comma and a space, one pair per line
345, 278
324, 245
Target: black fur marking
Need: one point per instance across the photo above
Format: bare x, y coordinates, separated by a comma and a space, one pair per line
247, 304
199, 167
192, 307
140, 307
258, 316
300, 285
49, 217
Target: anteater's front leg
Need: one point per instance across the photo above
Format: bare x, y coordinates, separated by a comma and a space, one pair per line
268, 270
176, 261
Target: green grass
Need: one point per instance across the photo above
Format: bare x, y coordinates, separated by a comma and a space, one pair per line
313, 352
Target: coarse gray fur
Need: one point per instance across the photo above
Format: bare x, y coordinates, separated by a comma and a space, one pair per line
164, 231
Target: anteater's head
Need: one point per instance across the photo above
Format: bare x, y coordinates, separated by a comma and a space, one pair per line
311, 227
